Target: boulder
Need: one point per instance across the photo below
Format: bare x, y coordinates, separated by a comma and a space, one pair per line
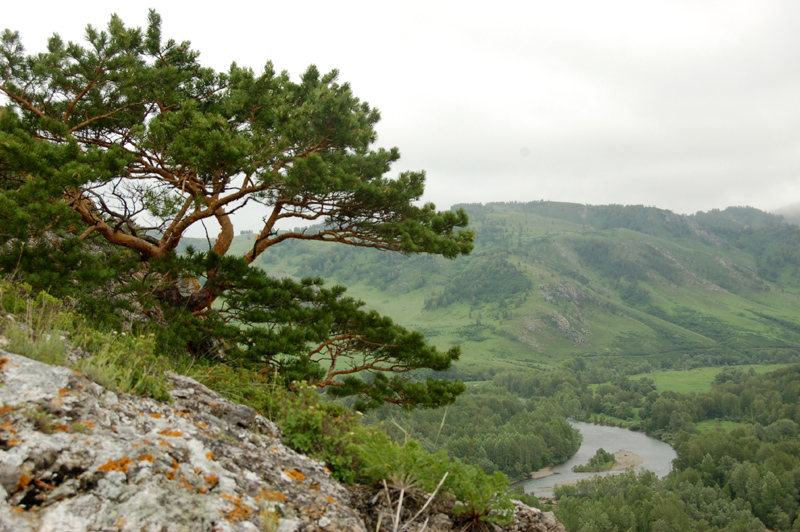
77, 457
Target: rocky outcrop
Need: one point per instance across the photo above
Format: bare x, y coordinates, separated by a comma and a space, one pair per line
76, 457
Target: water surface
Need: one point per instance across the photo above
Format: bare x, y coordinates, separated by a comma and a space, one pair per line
656, 455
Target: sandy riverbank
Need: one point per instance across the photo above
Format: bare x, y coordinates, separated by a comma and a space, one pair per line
625, 460
541, 473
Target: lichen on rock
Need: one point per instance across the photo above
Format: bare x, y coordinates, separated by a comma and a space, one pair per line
74, 456
77, 457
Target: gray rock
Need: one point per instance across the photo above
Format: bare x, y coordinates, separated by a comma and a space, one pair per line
76, 457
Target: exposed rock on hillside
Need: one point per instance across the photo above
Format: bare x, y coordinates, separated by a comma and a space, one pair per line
77, 457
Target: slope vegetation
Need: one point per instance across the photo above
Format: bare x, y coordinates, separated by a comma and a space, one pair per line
548, 281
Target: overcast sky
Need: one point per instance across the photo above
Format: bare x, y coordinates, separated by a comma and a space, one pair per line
684, 105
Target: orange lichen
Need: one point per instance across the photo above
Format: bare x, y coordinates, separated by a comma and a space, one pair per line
211, 479
185, 483
116, 465
239, 512
201, 425
63, 391
3, 362
314, 486
23, 481
294, 474
180, 413
175, 467
7, 426
331, 499
147, 458
11, 443
271, 496
17, 509
6, 409
171, 433
210, 456
89, 424
157, 415
165, 444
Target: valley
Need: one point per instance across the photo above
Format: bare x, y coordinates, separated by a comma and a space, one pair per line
627, 286
682, 327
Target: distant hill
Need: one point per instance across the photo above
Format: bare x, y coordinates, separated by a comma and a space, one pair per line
551, 280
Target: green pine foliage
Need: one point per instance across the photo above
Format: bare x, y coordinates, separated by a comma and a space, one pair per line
111, 151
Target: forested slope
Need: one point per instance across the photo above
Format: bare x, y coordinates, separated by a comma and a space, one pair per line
548, 281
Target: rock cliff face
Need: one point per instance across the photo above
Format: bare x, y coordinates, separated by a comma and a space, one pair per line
77, 457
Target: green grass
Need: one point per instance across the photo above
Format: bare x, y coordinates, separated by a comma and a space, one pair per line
712, 425
698, 379
38, 328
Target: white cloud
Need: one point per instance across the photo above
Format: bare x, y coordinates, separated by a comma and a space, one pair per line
683, 105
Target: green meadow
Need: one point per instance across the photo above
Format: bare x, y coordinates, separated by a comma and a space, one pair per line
713, 425
698, 379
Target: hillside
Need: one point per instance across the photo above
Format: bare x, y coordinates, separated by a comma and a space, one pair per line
79, 457
549, 280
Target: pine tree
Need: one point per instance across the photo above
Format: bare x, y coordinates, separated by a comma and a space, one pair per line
131, 140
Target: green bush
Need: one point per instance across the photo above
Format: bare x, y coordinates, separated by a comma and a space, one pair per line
479, 497
601, 461
128, 364
309, 425
38, 325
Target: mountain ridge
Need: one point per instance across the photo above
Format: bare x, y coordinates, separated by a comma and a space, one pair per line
549, 281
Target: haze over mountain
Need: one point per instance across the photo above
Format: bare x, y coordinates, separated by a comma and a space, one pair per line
790, 213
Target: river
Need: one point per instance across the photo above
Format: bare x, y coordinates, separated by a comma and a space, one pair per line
656, 455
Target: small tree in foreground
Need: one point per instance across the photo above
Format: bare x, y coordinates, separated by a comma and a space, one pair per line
132, 141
